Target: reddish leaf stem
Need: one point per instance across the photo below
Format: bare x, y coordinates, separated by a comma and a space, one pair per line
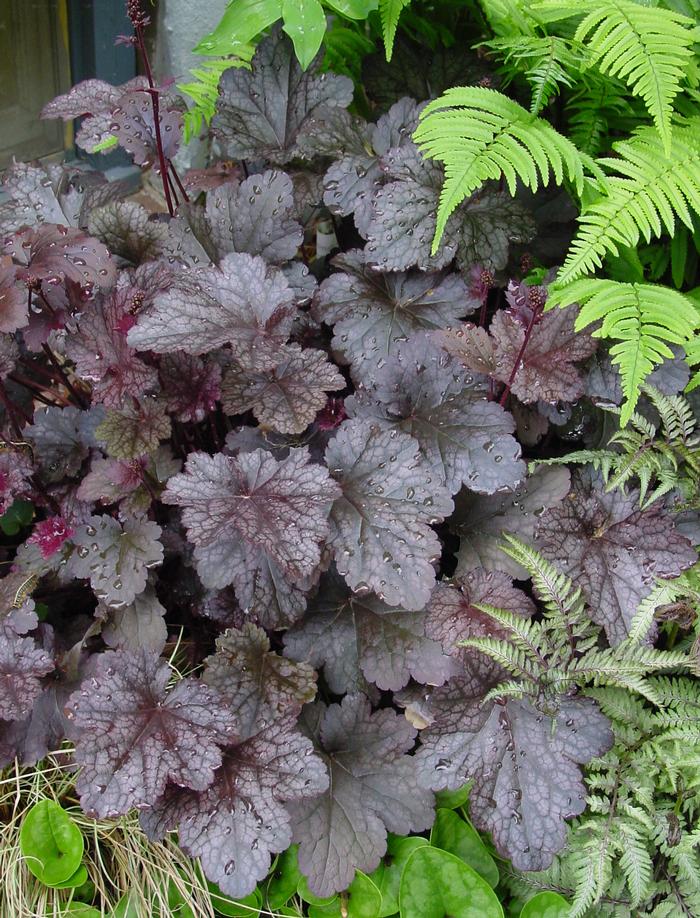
516, 366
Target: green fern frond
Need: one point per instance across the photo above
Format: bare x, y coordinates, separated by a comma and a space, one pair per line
649, 48
664, 592
647, 189
512, 658
527, 635
480, 134
389, 12
643, 319
596, 103
547, 62
204, 90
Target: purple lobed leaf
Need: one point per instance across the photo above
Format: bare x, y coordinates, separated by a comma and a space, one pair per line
373, 789
358, 638
241, 820
381, 525
261, 686
242, 303
132, 734
22, 665
288, 397
261, 112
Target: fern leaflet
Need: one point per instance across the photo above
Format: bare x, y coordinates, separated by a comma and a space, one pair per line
649, 48
646, 192
480, 134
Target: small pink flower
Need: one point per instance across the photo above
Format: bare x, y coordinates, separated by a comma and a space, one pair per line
50, 534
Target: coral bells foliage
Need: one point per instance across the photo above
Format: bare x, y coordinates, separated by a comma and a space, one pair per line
304, 467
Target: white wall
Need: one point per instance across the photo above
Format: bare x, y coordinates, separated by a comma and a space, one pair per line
181, 24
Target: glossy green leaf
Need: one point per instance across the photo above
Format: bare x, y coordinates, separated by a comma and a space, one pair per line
546, 905
51, 843
352, 9
243, 21
451, 799
307, 896
80, 910
362, 900
451, 833
305, 23
284, 879
79, 878
18, 515
436, 884
387, 876
240, 908
125, 908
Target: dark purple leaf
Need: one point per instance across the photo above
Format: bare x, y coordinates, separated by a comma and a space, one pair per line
140, 625
191, 386
371, 313
373, 789
62, 438
260, 685
381, 525
255, 217
466, 439
481, 520
22, 665
256, 522
546, 371
288, 397
110, 480
126, 228
523, 766
356, 638
133, 125
452, 617
116, 557
93, 98
9, 353
132, 734
241, 820
260, 113
57, 253
102, 356
242, 303
613, 550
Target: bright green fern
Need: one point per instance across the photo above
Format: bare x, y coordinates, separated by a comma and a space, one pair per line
480, 134
649, 48
643, 320
647, 190
389, 12
204, 90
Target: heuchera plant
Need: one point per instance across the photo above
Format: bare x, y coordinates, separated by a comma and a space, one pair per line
290, 475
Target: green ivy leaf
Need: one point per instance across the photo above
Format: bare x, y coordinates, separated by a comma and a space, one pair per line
125, 908
310, 898
305, 23
247, 907
387, 877
51, 843
546, 905
452, 799
18, 515
80, 910
284, 879
436, 884
452, 833
243, 21
363, 900
79, 878
352, 9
